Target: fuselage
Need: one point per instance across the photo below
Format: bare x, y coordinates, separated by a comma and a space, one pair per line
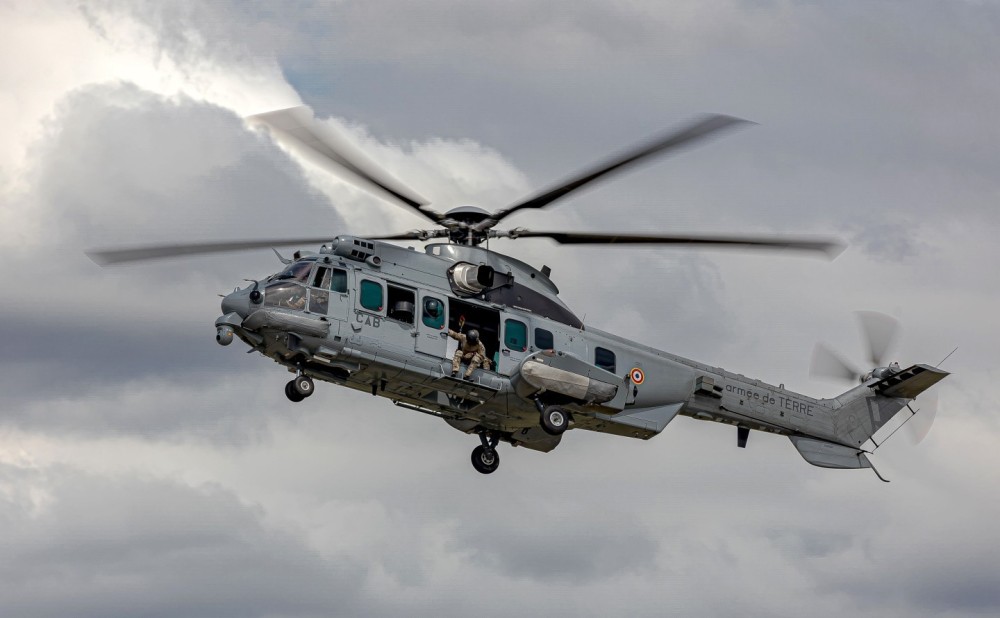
375, 317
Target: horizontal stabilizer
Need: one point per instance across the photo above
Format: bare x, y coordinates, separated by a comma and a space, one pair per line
829, 455
909, 382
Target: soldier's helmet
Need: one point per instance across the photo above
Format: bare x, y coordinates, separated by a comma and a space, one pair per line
473, 336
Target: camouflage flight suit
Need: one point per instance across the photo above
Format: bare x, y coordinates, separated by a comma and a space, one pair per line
475, 355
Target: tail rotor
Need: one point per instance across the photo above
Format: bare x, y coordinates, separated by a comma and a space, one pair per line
879, 333
920, 424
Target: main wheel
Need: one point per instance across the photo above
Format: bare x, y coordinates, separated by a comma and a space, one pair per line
303, 385
291, 393
485, 460
555, 420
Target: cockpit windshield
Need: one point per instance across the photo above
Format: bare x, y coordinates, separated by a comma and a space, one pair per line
299, 271
287, 295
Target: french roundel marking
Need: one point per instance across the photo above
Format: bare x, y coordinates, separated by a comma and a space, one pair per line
637, 375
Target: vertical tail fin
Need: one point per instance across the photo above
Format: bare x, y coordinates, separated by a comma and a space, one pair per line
865, 409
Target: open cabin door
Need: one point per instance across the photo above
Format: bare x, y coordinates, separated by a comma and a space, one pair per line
432, 324
464, 316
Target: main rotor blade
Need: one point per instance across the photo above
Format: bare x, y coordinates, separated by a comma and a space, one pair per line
879, 331
412, 235
296, 128
831, 247
828, 364
660, 145
107, 257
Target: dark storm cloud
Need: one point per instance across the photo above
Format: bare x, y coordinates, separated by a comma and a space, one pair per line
123, 165
120, 166
81, 545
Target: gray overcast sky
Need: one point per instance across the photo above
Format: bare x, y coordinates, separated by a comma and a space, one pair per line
145, 470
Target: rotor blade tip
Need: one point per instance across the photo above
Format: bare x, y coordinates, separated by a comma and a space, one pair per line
97, 257
835, 249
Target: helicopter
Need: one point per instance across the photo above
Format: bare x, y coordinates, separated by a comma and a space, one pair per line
367, 314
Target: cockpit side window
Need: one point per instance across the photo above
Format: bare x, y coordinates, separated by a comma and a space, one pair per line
605, 359
321, 278
285, 294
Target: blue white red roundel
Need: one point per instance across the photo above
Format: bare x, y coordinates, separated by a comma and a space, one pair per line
637, 375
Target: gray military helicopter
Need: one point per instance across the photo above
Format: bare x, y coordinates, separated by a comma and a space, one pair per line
373, 316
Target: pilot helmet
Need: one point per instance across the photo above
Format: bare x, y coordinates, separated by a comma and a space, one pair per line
473, 336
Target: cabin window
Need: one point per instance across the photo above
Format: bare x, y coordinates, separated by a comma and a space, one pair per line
605, 359
515, 335
401, 304
338, 283
543, 339
371, 295
433, 313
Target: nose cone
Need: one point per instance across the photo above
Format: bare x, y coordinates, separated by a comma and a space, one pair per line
238, 302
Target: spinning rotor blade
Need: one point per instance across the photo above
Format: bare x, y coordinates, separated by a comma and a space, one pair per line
832, 248
828, 364
137, 254
296, 128
925, 410
661, 145
879, 331
412, 235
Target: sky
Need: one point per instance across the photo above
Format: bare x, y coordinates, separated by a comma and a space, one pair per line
146, 470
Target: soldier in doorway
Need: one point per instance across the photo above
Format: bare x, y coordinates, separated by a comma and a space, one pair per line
471, 350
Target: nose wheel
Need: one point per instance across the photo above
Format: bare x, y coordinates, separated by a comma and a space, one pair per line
485, 458
299, 388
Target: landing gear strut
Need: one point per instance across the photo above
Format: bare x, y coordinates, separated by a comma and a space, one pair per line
554, 420
299, 388
485, 458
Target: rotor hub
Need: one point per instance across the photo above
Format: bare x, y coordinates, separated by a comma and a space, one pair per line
462, 223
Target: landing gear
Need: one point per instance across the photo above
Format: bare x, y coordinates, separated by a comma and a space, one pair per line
485, 458
299, 388
554, 420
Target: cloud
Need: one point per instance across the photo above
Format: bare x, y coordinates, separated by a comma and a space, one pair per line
122, 166
103, 546
172, 475
560, 550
